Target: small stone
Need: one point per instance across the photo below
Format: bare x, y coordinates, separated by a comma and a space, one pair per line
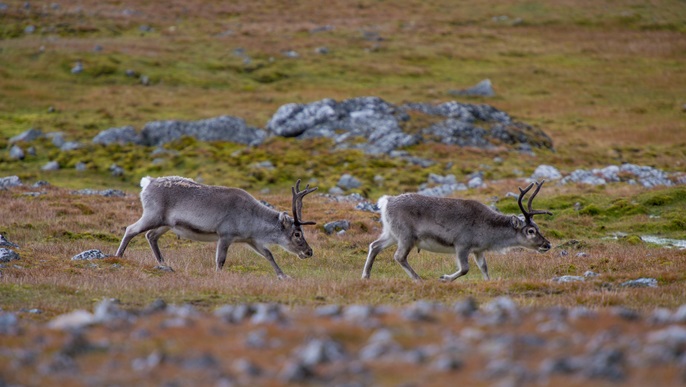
16, 153
246, 367
590, 274
51, 166
10, 181
78, 68
328, 311
348, 182
546, 172
27, 136
338, 225
74, 320
466, 307
7, 255
295, 372
89, 255
569, 278
640, 283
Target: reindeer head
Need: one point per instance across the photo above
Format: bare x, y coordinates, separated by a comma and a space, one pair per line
528, 233
297, 243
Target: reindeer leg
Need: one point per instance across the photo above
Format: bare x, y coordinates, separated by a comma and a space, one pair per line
400, 256
153, 236
481, 262
222, 251
374, 249
142, 225
263, 251
462, 266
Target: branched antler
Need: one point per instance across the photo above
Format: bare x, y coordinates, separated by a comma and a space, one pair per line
298, 202
531, 212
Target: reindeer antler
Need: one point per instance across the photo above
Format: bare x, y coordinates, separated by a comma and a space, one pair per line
298, 202
531, 212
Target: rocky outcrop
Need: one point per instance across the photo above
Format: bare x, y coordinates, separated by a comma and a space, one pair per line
369, 118
223, 128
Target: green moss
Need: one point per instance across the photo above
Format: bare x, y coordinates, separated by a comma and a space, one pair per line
591, 210
100, 236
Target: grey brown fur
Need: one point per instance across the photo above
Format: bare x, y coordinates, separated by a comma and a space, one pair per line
213, 213
456, 226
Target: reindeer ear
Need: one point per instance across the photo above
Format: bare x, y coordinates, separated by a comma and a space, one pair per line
517, 222
285, 220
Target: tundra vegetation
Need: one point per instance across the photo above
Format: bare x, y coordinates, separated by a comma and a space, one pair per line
604, 79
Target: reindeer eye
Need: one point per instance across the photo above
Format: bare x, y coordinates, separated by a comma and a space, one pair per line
298, 234
531, 231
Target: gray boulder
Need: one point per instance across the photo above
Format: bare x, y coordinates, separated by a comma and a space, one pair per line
546, 172
27, 136
457, 132
51, 166
478, 126
339, 225
9, 181
122, 135
640, 283
348, 181
345, 122
7, 255
88, 255
223, 128
481, 89
16, 153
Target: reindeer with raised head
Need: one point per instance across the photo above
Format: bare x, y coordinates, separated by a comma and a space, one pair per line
457, 226
212, 213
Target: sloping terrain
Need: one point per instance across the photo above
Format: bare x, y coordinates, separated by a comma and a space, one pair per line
362, 99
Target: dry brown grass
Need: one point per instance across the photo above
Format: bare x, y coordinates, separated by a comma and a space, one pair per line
57, 225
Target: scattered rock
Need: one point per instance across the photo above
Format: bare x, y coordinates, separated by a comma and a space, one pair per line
106, 192
546, 172
640, 283
9, 182
320, 351
295, 372
9, 324
78, 67
27, 136
70, 321
348, 182
339, 225
122, 135
7, 255
16, 153
481, 89
569, 278
51, 166
89, 255
223, 128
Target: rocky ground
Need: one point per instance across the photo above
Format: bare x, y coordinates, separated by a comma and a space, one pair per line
424, 343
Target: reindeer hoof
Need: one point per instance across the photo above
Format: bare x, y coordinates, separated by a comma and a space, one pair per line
445, 278
164, 268
284, 277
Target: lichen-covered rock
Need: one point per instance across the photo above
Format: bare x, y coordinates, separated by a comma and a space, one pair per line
88, 255
122, 135
7, 255
481, 89
27, 136
9, 181
370, 118
223, 128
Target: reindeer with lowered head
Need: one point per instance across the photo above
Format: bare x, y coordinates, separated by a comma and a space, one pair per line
457, 226
212, 213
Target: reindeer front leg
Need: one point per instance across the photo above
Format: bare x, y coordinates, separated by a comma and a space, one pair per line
263, 251
462, 266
